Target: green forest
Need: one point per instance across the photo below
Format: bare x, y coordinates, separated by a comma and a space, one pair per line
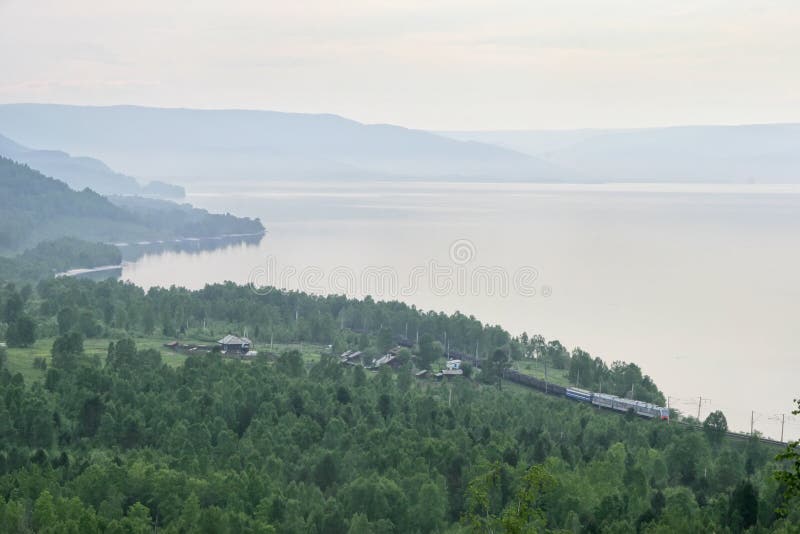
37, 208
104, 430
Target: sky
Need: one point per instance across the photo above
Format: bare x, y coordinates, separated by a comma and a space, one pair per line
434, 64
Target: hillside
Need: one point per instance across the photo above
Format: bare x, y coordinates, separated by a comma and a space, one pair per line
36, 208
215, 145
82, 172
757, 153
110, 430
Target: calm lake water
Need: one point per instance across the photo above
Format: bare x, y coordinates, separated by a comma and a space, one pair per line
696, 284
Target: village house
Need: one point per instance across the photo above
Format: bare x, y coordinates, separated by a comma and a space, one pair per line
350, 357
234, 344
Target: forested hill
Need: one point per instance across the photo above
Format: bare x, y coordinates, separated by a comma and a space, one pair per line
36, 208
102, 432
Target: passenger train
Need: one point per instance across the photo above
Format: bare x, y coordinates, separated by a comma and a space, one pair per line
601, 400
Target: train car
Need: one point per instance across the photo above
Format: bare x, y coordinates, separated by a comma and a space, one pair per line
603, 400
642, 409
533, 382
623, 405
651, 411
579, 394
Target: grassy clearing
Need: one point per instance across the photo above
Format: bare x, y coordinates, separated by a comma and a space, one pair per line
310, 352
533, 368
20, 360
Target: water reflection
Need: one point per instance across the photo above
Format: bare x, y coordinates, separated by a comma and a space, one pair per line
134, 251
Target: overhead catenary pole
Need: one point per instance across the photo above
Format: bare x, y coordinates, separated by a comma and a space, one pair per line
699, 403
752, 415
668, 418
545, 376
783, 420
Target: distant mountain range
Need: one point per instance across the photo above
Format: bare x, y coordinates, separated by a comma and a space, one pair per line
187, 146
239, 146
759, 153
82, 172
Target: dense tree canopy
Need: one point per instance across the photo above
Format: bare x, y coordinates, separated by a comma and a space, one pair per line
124, 442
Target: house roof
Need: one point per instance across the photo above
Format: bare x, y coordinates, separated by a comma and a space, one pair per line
234, 340
385, 359
349, 356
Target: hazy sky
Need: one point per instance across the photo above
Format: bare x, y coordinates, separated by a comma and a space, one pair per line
429, 64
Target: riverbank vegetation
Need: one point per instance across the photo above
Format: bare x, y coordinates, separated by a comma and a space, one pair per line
50, 257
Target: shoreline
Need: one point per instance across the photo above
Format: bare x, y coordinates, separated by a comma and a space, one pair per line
105, 268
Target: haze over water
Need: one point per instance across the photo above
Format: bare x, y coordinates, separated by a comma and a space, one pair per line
695, 284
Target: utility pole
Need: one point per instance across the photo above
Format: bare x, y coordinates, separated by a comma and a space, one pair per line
783, 420
752, 414
545, 376
699, 403
668, 418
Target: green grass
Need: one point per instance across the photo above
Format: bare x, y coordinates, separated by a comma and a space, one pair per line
533, 368
20, 360
310, 352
